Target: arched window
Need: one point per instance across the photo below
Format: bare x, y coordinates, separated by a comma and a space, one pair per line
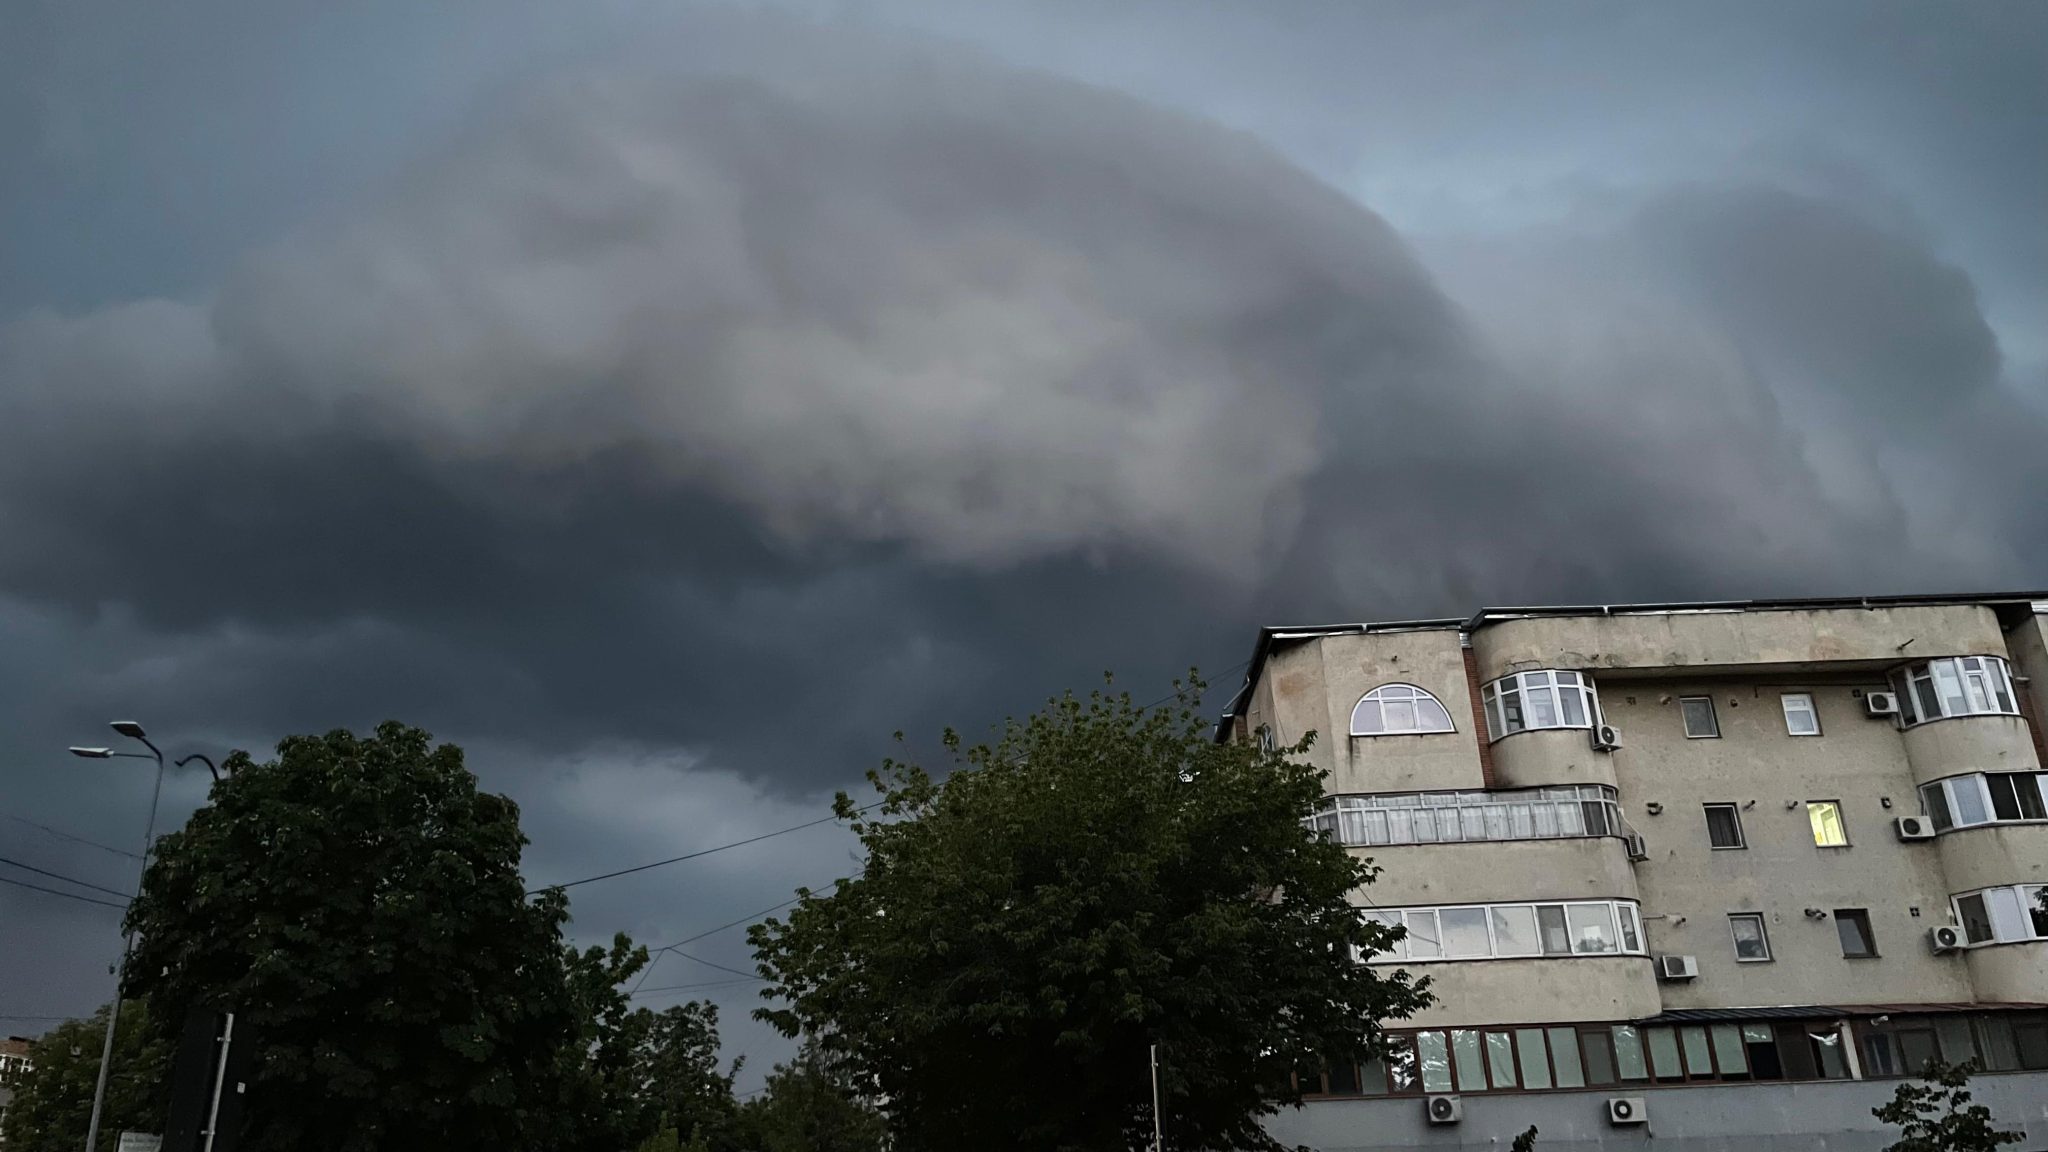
1399, 709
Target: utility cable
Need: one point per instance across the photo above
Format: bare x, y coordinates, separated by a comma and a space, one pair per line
61, 876
60, 834
66, 895
701, 852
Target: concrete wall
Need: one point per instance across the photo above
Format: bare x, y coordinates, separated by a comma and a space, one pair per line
2015, 973
1537, 990
1770, 775
1588, 868
1547, 756
1741, 639
1968, 744
1831, 1116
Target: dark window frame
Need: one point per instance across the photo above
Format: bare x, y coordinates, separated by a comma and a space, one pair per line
1735, 819
1861, 917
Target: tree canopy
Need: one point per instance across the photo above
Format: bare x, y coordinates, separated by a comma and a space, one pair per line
357, 903
1100, 878
1936, 1115
52, 1104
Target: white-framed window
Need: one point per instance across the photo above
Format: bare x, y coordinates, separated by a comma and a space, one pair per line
1399, 710
1724, 826
1985, 798
1546, 698
1268, 743
1954, 686
1752, 943
1700, 723
1505, 931
1800, 717
1560, 812
1826, 818
2001, 915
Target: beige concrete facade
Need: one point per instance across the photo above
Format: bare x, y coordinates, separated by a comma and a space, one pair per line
1645, 661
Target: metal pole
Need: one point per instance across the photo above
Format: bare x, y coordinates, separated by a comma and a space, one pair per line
99, 1093
220, 1076
1158, 1143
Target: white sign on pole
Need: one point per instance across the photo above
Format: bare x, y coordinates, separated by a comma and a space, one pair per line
139, 1142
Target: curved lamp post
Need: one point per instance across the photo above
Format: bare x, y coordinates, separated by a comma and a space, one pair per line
133, 731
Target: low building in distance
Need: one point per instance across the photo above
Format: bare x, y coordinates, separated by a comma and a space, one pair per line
1721, 873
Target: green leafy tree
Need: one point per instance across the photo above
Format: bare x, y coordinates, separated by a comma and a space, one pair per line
52, 1104
666, 1140
676, 1080
814, 1103
1101, 878
1937, 1116
357, 902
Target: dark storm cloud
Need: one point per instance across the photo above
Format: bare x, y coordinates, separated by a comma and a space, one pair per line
690, 420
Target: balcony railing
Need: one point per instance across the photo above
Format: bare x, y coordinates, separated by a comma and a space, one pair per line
1455, 817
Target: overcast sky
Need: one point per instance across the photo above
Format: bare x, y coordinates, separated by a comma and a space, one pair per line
669, 402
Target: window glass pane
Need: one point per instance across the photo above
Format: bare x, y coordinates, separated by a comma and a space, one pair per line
1949, 682
1956, 1042
1994, 1036
1728, 1051
1971, 915
2032, 1043
1699, 1060
1598, 1045
1464, 931
1592, 927
1514, 931
1493, 728
1800, 718
1699, 716
1628, 1053
1934, 799
1372, 1078
1398, 950
1400, 715
1631, 938
1795, 1052
1975, 691
1542, 705
1435, 1058
1761, 1045
1535, 1063
1557, 939
1500, 1059
1573, 701
1852, 926
1424, 943
1402, 1074
1927, 702
2005, 799
1367, 719
1564, 1056
1966, 796
1511, 709
2001, 688
1750, 942
2033, 805
1465, 1050
1881, 1056
2035, 898
1826, 818
1724, 826
1664, 1054
1827, 1050
2007, 921
1343, 1078
1430, 716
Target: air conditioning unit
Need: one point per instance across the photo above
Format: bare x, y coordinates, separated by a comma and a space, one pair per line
1638, 848
1946, 938
1444, 1109
1673, 967
1913, 828
1606, 738
1627, 1110
1881, 703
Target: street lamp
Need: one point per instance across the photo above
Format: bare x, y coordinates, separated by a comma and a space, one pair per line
133, 731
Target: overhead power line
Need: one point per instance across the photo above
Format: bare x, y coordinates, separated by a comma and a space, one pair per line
64, 878
700, 852
701, 984
66, 895
60, 834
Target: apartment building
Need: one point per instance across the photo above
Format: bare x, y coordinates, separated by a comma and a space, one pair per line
1708, 875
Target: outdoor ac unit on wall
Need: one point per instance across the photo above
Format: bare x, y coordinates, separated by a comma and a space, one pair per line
1946, 938
1671, 967
1881, 703
1606, 738
1914, 828
1627, 1110
1444, 1109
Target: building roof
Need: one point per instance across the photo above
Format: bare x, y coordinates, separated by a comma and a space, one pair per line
2013, 603
1824, 1011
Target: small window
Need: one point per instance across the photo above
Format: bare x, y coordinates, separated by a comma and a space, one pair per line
1800, 718
1699, 717
1399, 710
2015, 796
1724, 826
1751, 945
1826, 818
1853, 926
1970, 913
